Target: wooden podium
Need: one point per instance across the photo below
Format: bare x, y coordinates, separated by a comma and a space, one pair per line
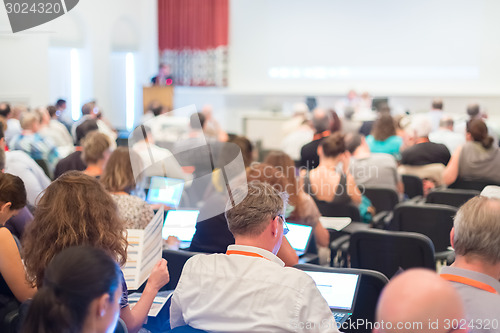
162, 94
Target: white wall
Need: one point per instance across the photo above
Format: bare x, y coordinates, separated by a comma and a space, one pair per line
96, 27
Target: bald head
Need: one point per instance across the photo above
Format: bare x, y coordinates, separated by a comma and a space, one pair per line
418, 297
321, 120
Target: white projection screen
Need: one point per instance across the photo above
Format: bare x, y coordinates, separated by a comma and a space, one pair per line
414, 47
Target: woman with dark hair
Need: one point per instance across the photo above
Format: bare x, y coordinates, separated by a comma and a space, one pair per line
301, 207
383, 138
81, 293
118, 178
76, 210
477, 159
13, 285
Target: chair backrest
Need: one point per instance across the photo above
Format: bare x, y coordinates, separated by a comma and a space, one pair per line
477, 185
383, 199
433, 220
176, 260
370, 287
451, 197
331, 209
413, 186
387, 251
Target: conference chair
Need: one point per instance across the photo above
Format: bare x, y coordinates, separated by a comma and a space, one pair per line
371, 285
388, 251
176, 260
413, 186
433, 220
451, 197
384, 200
477, 185
332, 209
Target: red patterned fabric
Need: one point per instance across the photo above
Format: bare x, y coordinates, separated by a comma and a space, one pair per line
193, 40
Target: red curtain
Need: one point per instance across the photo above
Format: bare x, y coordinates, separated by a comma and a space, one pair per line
193, 39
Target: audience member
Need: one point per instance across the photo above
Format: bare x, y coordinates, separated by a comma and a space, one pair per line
76, 210
349, 124
81, 293
13, 285
435, 114
445, 135
12, 120
328, 182
74, 160
54, 130
248, 289
91, 111
301, 207
477, 159
475, 274
322, 122
474, 111
62, 115
95, 153
336, 125
212, 127
423, 152
383, 138
119, 180
297, 131
373, 169
418, 300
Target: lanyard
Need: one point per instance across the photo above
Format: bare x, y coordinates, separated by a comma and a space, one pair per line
245, 253
318, 136
469, 282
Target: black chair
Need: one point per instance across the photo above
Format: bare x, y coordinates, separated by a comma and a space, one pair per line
433, 220
451, 197
388, 251
383, 199
371, 285
413, 186
176, 260
331, 209
477, 185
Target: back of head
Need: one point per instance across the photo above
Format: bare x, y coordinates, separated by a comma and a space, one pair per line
333, 145
12, 190
420, 126
479, 132
95, 144
477, 229
437, 104
259, 203
52, 110
416, 298
446, 122
473, 110
28, 120
2, 159
119, 172
321, 120
266, 173
246, 148
73, 279
74, 210
353, 141
60, 103
84, 128
383, 127
88, 108
336, 122
197, 121
284, 163
4, 110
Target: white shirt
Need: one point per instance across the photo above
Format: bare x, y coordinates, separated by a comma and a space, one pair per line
58, 134
293, 142
241, 293
451, 140
13, 129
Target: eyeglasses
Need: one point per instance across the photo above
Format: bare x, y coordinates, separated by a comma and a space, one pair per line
285, 227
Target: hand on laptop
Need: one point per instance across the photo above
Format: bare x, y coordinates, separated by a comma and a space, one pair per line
157, 206
172, 242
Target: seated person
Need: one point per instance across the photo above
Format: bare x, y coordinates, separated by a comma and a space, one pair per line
423, 152
475, 274
55, 131
445, 135
383, 138
81, 293
247, 289
322, 122
14, 288
118, 178
422, 302
95, 153
375, 169
477, 159
76, 210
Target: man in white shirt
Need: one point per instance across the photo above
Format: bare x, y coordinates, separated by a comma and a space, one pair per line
446, 136
436, 113
248, 289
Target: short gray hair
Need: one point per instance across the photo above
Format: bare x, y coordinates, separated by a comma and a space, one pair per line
251, 216
477, 229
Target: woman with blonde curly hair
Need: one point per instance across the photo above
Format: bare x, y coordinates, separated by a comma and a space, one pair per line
76, 210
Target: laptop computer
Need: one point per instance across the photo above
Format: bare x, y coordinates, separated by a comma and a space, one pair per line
167, 191
181, 224
299, 237
339, 290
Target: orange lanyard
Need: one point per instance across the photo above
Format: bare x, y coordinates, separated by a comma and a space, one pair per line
318, 136
469, 282
245, 253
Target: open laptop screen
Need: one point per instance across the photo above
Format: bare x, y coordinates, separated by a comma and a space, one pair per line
298, 236
181, 224
338, 289
165, 190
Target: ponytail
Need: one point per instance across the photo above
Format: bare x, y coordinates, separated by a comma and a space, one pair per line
487, 142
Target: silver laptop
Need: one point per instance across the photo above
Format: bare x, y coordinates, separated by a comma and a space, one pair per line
339, 290
299, 237
181, 224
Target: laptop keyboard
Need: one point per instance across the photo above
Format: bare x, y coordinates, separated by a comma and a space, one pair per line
339, 316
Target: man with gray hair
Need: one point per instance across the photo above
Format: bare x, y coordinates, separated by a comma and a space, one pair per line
476, 271
446, 136
247, 289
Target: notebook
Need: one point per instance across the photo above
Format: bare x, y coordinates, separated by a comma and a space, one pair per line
167, 191
335, 223
181, 224
299, 237
339, 290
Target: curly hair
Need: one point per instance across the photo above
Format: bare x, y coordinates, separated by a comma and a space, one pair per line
75, 210
383, 127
